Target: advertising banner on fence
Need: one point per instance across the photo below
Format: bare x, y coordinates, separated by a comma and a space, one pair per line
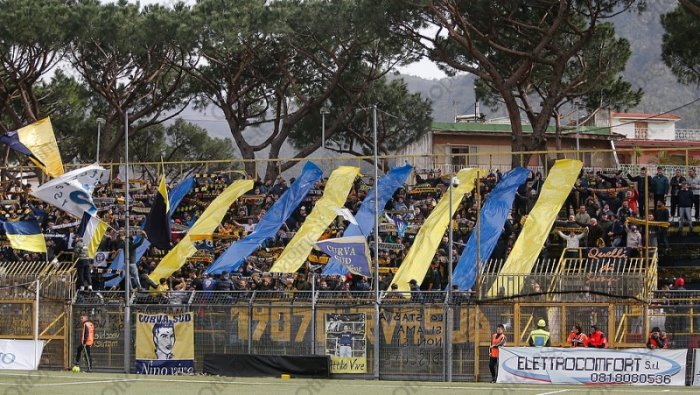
696, 369
634, 366
20, 354
346, 342
165, 343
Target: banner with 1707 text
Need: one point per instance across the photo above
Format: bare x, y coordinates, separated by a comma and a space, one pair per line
635, 366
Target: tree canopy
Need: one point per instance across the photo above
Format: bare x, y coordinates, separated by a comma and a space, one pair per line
549, 49
679, 48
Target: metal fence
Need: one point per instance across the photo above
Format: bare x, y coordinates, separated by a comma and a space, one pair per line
438, 339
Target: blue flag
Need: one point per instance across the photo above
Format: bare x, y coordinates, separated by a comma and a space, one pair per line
493, 215
271, 223
174, 198
388, 184
351, 252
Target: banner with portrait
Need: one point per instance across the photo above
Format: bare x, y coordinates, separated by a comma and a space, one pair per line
165, 344
346, 342
101, 258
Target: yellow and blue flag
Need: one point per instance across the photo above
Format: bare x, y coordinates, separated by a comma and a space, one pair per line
92, 230
38, 142
157, 224
25, 235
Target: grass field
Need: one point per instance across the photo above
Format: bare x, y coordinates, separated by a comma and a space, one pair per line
60, 383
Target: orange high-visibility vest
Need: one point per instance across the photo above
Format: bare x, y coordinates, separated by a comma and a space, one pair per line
88, 337
496, 341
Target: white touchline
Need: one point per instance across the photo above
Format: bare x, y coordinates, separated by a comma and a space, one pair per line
553, 392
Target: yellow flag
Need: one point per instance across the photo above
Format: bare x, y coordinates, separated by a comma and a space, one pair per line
202, 229
334, 196
212, 216
40, 140
538, 224
418, 259
174, 260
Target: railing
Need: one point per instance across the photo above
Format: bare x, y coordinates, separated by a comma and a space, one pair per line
688, 134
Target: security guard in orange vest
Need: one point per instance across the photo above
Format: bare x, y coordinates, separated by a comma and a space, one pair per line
87, 338
539, 337
498, 339
597, 338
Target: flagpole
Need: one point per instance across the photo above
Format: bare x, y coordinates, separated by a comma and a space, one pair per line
127, 241
376, 244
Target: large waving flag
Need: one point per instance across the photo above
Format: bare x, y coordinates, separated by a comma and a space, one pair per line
334, 195
527, 247
491, 220
25, 235
273, 220
72, 191
418, 259
39, 143
92, 230
157, 224
176, 195
202, 229
352, 252
388, 184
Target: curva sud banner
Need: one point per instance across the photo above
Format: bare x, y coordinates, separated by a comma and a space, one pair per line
20, 354
165, 343
635, 366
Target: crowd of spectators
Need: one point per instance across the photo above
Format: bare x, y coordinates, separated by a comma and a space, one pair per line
602, 210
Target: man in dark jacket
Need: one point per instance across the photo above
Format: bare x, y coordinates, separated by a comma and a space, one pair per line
661, 186
685, 204
642, 188
676, 182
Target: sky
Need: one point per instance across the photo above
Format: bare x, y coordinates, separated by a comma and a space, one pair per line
424, 68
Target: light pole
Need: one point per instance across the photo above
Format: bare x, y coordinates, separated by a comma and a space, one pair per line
127, 258
376, 242
100, 121
325, 109
578, 146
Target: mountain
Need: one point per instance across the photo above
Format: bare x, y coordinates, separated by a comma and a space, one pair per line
645, 69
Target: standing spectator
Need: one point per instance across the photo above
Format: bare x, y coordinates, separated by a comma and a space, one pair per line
676, 182
597, 338
694, 186
577, 338
498, 340
657, 339
582, 217
661, 186
661, 214
539, 337
82, 264
685, 203
644, 184
87, 338
573, 239
595, 234
634, 240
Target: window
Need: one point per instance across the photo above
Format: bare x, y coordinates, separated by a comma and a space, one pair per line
641, 130
460, 157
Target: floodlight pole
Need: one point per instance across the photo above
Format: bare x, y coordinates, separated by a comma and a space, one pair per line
100, 121
127, 258
376, 245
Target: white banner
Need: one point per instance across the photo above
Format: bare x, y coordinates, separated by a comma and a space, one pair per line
696, 369
634, 366
72, 192
19, 354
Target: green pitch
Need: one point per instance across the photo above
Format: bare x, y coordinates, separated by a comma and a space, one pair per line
68, 383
